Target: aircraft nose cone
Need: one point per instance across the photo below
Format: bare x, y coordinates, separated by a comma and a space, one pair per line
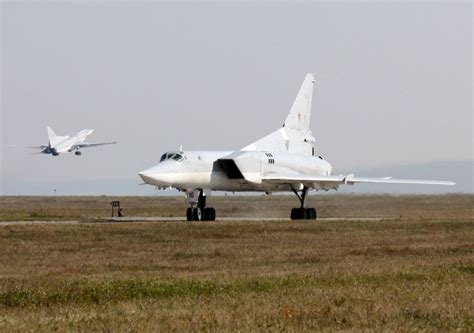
160, 175
146, 176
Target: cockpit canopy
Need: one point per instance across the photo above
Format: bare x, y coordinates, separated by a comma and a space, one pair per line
178, 157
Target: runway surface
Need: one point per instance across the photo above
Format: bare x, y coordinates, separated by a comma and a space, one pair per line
159, 219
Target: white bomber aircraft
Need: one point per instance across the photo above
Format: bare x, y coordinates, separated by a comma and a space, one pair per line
282, 161
68, 143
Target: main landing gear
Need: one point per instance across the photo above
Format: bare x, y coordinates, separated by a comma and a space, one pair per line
303, 213
199, 211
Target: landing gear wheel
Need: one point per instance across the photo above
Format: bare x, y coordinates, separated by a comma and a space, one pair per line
209, 214
199, 211
297, 214
303, 214
294, 214
189, 214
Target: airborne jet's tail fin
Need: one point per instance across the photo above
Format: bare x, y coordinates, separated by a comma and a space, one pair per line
51, 135
295, 136
53, 138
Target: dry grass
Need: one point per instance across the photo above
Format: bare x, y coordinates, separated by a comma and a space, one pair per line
408, 274
90, 208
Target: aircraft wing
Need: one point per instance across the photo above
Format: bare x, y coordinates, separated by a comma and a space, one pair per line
332, 182
90, 145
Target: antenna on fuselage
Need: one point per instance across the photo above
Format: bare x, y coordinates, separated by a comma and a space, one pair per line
181, 148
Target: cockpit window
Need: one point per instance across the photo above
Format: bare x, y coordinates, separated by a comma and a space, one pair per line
178, 157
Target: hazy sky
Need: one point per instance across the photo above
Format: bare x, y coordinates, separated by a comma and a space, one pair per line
394, 83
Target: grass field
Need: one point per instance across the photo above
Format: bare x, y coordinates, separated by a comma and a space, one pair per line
413, 271
93, 208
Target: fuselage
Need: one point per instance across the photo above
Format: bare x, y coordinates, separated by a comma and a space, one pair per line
217, 170
63, 144
278, 162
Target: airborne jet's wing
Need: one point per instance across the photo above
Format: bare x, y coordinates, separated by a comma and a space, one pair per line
90, 145
329, 182
40, 147
29, 146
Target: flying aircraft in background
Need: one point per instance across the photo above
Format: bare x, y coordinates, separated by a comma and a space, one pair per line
282, 161
68, 143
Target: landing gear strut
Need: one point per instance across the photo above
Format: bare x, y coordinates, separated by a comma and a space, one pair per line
199, 211
303, 213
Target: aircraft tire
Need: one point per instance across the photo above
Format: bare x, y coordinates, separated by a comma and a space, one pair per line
194, 214
297, 214
199, 215
307, 213
303, 214
209, 214
189, 214
311, 214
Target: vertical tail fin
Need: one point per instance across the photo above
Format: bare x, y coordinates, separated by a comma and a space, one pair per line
53, 138
295, 136
300, 113
51, 135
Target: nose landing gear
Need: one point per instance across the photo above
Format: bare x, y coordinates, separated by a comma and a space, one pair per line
199, 211
303, 213
198, 214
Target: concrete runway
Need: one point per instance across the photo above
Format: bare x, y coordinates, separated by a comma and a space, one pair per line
159, 219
